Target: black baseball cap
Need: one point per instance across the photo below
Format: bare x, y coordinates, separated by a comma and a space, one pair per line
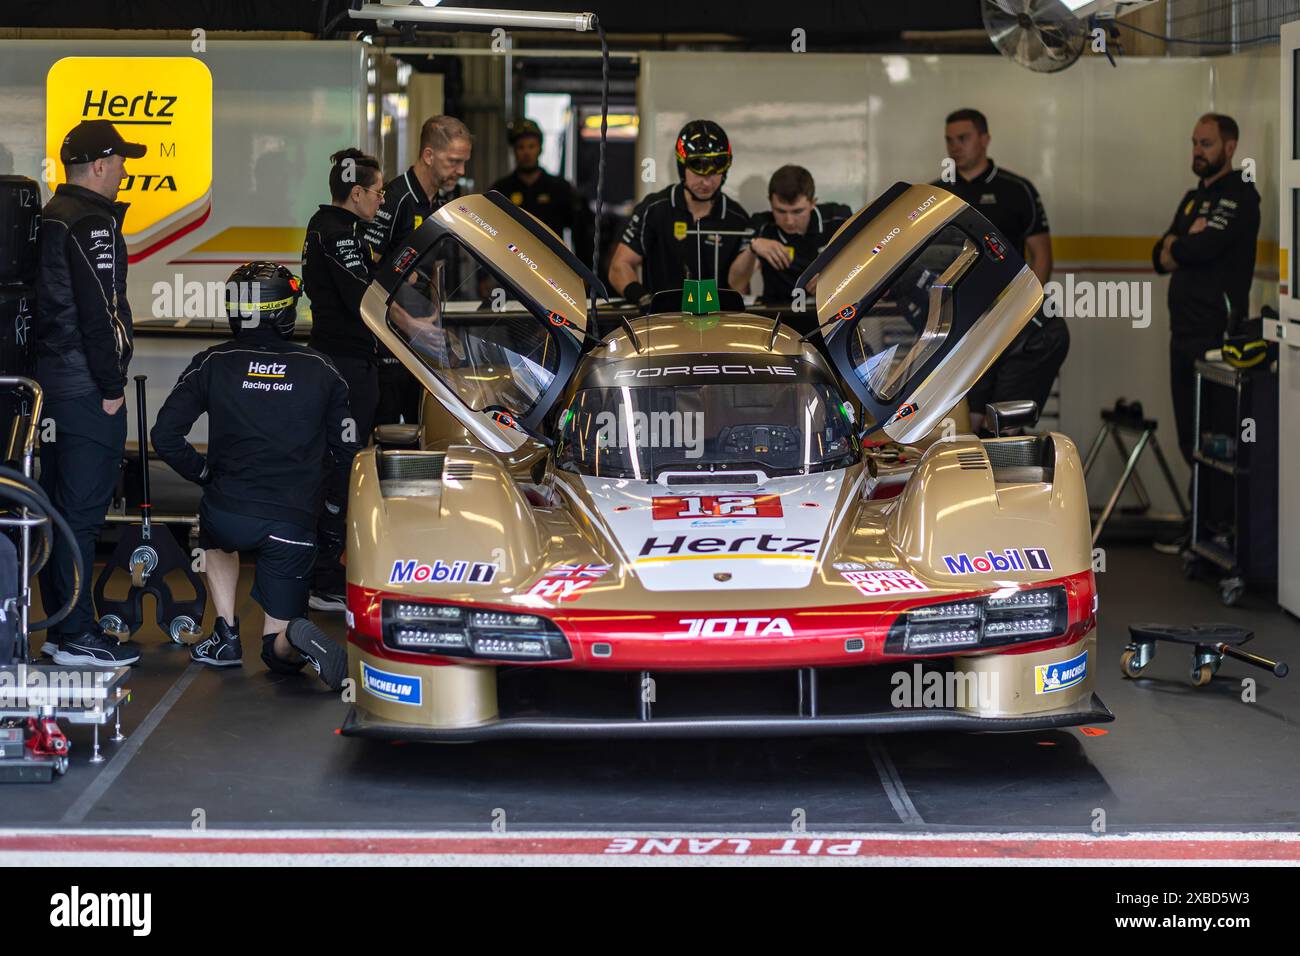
94, 139
520, 128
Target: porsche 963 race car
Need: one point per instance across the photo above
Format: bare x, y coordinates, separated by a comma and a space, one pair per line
676, 529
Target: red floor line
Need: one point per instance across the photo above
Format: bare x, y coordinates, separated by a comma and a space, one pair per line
1026, 848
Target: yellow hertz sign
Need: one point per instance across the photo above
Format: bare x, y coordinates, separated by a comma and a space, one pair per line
163, 102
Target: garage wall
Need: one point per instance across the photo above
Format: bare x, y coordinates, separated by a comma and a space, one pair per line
279, 110
1108, 148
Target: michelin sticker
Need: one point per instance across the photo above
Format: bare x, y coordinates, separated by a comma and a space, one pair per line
394, 688
1049, 678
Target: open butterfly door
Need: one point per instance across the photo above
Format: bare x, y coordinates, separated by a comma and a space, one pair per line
917, 295
498, 374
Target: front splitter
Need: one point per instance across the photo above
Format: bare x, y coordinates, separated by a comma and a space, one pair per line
359, 723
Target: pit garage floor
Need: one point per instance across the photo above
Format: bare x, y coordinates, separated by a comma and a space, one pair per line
253, 753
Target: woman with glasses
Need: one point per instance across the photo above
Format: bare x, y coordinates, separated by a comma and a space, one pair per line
336, 266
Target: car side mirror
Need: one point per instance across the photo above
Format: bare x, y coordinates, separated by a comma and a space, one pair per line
1003, 416
397, 436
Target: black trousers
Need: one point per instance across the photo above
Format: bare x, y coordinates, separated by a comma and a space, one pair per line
362, 375
400, 394
1027, 369
79, 470
1184, 350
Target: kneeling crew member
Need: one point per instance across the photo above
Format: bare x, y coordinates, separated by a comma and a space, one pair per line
274, 409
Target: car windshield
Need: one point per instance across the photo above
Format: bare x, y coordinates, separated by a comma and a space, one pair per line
643, 431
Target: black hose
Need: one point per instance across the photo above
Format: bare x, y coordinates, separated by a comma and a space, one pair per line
18, 487
600, 164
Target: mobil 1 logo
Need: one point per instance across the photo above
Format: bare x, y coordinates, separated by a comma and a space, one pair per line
992, 562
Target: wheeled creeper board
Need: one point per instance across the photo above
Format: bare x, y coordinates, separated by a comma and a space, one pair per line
1210, 644
149, 553
35, 697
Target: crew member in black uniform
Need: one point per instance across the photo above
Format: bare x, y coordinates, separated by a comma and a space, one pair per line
1209, 253
336, 264
1031, 363
550, 198
275, 409
788, 238
661, 238
446, 146
83, 347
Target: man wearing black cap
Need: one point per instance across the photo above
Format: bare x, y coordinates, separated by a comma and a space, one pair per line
550, 198
83, 346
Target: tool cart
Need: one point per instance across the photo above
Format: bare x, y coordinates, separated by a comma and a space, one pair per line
34, 697
1234, 477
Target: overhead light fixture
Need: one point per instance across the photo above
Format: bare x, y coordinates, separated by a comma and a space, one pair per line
427, 11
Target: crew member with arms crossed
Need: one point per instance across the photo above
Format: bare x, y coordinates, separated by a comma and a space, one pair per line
275, 410
1209, 253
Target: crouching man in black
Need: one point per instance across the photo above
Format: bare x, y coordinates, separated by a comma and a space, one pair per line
275, 409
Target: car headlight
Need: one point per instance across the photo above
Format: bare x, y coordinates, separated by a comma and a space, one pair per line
988, 621
448, 629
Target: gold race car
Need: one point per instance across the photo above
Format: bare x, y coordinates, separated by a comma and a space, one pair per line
682, 528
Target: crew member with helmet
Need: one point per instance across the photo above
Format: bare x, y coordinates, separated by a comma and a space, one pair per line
661, 237
275, 410
550, 198
336, 265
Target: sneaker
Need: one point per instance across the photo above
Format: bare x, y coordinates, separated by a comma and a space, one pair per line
327, 601
51, 645
274, 662
222, 649
322, 652
95, 649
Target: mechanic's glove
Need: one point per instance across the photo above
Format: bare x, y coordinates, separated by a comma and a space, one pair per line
637, 294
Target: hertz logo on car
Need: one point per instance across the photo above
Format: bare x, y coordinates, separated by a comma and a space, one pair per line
162, 101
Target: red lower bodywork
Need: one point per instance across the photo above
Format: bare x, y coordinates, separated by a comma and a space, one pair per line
760, 639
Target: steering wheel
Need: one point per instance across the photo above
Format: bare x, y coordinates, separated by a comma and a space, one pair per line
758, 439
